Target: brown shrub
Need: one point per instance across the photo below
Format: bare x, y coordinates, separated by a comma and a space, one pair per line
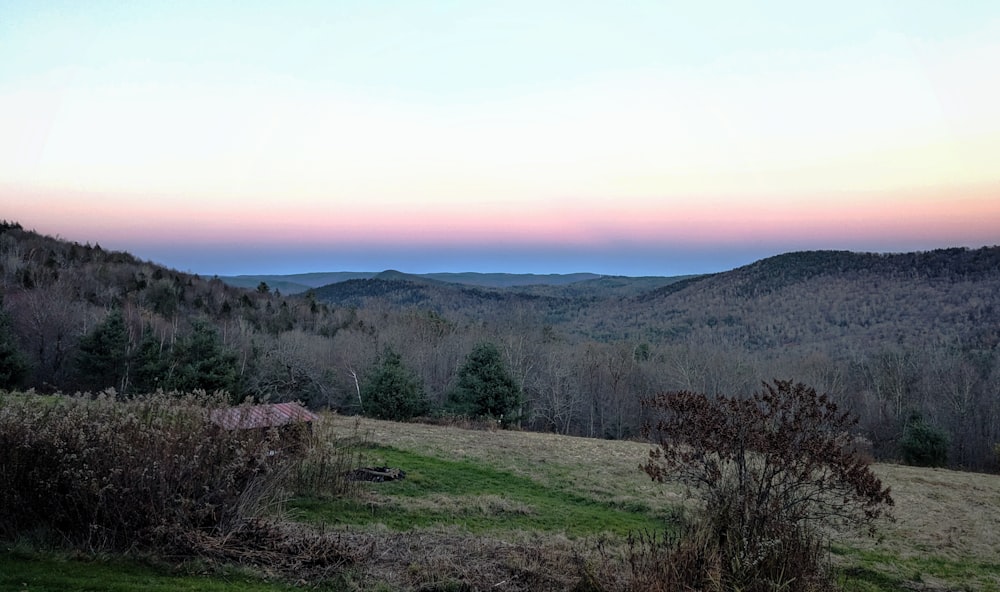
771, 470
111, 474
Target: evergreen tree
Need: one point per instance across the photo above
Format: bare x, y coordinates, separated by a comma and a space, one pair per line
393, 391
923, 444
13, 367
102, 360
486, 388
201, 361
149, 364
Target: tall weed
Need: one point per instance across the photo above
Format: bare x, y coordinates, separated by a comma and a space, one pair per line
327, 459
700, 556
121, 474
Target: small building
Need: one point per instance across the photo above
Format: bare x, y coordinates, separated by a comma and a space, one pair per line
292, 420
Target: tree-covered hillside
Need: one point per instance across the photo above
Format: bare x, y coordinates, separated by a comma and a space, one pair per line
820, 301
909, 341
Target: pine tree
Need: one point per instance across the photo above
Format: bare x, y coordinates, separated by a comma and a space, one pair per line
485, 387
201, 361
922, 444
393, 391
13, 367
149, 364
102, 360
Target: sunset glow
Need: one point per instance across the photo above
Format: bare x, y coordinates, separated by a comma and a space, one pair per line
520, 137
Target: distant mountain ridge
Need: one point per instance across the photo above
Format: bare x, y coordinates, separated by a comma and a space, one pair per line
302, 282
802, 301
295, 283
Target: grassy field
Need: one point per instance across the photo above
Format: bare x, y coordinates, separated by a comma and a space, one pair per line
474, 496
507, 510
567, 491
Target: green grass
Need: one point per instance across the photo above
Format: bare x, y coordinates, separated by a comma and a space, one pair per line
474, 496
881, 571
35, 571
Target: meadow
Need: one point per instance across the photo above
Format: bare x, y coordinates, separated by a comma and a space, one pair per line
482, 508
945, 534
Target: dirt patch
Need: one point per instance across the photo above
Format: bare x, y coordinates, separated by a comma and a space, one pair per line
376, 474
467, 505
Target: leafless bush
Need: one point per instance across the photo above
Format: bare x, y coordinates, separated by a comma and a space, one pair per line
772, 470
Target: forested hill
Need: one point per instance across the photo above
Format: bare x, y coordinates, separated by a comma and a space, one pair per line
942, 264
812, 301
892, 337
781, 271
804, 301
398, 291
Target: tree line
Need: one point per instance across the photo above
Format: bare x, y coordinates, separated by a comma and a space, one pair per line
80, 318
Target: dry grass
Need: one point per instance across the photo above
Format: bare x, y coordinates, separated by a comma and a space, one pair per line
947, 514
466, 505
447, 558
946, 535
605, 470
939, 514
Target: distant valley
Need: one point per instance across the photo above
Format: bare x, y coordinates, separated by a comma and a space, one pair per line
896, 338
302, 282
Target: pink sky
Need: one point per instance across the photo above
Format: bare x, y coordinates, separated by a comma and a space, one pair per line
513, 138
901, 220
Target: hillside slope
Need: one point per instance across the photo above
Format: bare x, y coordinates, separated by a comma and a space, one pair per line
815, 301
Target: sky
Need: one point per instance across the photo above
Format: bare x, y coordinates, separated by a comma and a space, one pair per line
523, 136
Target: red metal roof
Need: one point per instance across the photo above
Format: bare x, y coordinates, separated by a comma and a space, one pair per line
261, 416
